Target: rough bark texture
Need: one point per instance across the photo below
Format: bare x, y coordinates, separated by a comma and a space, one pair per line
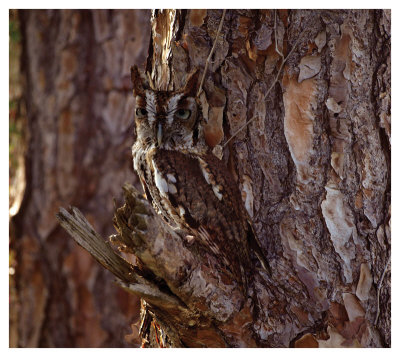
313, 165
79, 113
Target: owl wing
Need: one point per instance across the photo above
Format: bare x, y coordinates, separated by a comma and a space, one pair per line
202, 197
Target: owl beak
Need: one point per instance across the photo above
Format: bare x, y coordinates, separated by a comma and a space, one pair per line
159, 134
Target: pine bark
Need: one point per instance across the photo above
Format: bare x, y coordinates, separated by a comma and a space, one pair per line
313, 164
79, 112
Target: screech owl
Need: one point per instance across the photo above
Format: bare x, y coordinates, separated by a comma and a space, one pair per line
188, 186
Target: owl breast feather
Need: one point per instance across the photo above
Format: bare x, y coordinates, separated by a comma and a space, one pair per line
199, 195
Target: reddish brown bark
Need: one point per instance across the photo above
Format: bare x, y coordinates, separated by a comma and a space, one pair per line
79, 112
313, 165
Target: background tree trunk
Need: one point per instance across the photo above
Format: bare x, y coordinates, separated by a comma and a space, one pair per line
313, 165
79, 113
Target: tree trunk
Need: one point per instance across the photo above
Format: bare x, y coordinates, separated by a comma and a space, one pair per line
79, 113
313, 164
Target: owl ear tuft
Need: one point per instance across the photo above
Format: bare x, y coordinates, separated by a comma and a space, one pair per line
190, 87
139, 81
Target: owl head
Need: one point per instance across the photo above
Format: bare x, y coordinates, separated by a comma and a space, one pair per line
166, 119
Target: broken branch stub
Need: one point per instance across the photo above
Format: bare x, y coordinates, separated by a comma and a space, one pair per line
83, 233
189, 293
